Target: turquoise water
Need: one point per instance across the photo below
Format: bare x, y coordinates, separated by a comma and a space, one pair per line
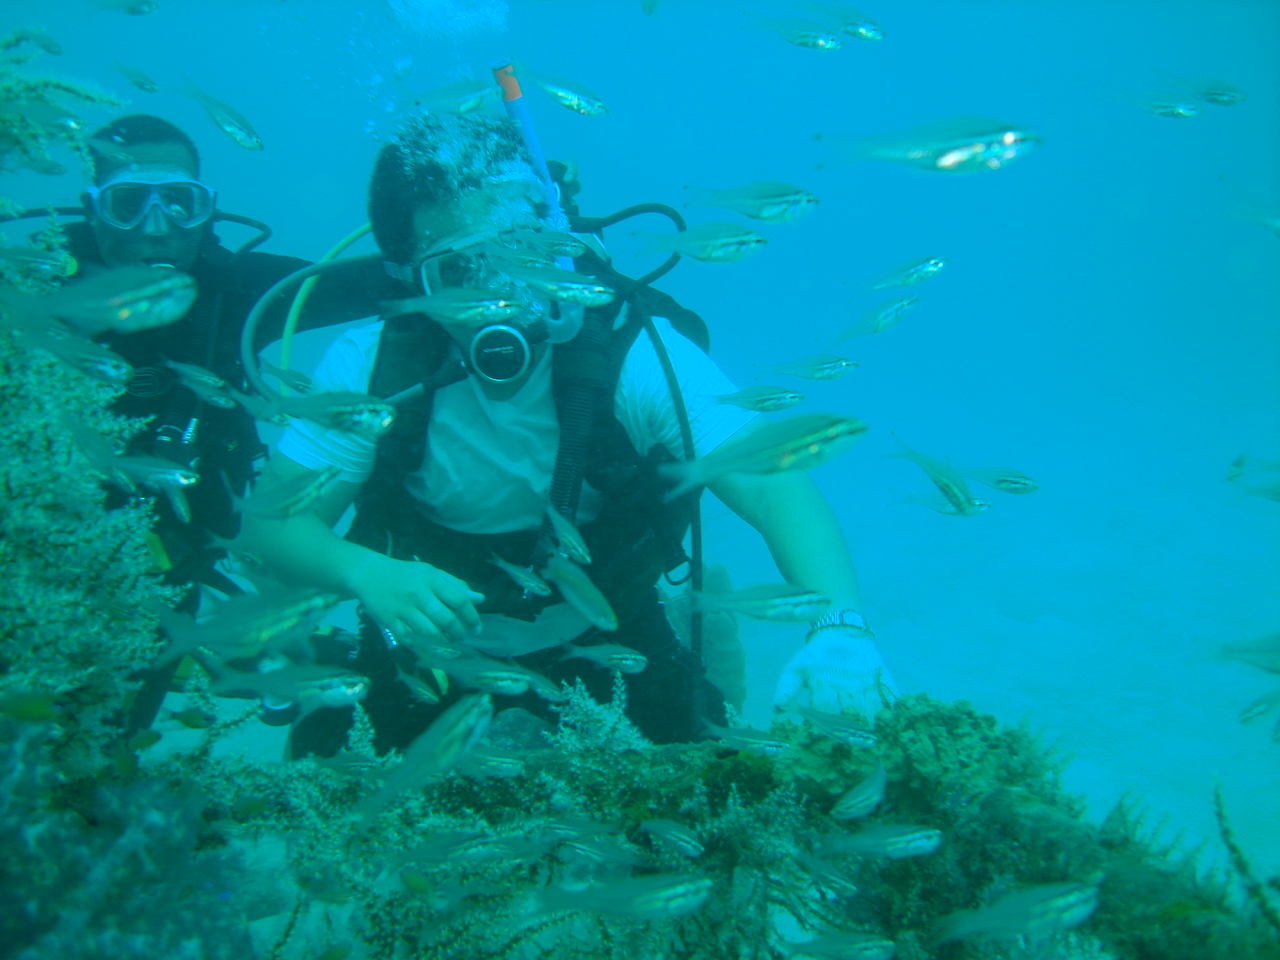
1104, 323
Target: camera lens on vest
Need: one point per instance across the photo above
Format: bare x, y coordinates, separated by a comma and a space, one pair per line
499, 353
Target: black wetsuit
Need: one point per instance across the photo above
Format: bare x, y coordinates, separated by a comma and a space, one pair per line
215, 442
635, 537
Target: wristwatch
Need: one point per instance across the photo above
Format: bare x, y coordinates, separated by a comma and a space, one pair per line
850, 619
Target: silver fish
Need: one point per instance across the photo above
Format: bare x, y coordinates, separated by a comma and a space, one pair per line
478, 672
547, 689
568, 828
770, 202
612, 656
1034, 912
509, 637
562, 284
576, 587
570, 95
831, 879
206, 385
281, 499
892, 841
226, 118
709, 242
780, 602
946, 508
1263, 653
1260, 707
190, 372
461, 97
419, 687
526, 580
366, 416
40, 38
843, 946
549, 243
601, 848
245, 625
312, 685
802, 33
674, 836
435, 752
124, 299
462, 305
837, 726
1244, 465
848, 21
482, 764
744, 738
911, 272
91, 359
260, 408
875, 319
655, 896
570, 540
153, 471
177, 502
959, 145
823, 366
138, 78
1170, 106
798, 443
292, 379
1005, 479
136, 8
762, 399
863, 798
946, 478
1219, 93
45, 264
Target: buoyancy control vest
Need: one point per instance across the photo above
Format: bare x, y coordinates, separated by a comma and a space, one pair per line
635, 537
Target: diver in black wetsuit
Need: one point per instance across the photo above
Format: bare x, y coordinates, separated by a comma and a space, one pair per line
148, 205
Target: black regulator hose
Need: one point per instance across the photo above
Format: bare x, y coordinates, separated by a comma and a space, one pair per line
597, 225
247, 356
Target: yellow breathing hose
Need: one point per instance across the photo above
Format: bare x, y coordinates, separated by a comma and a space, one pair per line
304, 291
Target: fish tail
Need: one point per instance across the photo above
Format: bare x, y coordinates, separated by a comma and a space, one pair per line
903, 454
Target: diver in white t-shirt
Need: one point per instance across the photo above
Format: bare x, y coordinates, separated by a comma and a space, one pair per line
520, 416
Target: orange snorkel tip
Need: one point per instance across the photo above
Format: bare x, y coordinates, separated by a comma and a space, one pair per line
518, 112
504, 75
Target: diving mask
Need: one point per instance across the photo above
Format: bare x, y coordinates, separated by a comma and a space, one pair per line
126, 201
498, 352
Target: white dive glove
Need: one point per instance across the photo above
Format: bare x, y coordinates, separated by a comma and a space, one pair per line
837, 671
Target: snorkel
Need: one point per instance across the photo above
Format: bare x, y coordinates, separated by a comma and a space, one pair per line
564, 320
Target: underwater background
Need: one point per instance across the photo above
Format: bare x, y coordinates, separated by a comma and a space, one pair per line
1107, 321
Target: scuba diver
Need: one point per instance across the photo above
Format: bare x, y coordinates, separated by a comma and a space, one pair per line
559, 407
148, 205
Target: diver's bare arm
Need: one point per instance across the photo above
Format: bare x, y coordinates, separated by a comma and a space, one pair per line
400, 596
800, 529
303, 548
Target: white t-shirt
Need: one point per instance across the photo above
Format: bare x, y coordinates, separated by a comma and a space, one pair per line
488, 463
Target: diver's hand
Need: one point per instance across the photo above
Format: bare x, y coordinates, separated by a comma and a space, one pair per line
836, 671
407, 597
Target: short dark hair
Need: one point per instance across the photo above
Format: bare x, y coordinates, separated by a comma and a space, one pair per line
137, 128
434, 158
